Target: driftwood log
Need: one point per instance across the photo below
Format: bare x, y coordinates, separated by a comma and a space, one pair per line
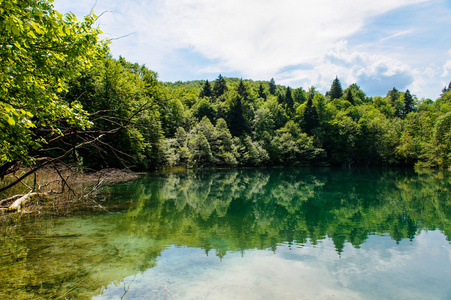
19, 203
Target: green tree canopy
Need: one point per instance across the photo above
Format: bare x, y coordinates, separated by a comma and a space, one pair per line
272, 86
261, 92
206, 91
40, 50
220, 86
336, 90
242, 91
409, 105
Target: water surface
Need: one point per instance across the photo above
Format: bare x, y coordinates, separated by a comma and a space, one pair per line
243, 234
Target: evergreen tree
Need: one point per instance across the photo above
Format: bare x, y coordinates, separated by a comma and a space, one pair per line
206, 91
242, 91
289, 100
409, 105
220, 86
238, 124
272, 87
311, 120
261, 92
336, 91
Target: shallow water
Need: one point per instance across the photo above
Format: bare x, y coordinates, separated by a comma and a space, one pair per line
243, 234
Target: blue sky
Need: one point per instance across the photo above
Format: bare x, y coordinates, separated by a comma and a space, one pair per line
377, 44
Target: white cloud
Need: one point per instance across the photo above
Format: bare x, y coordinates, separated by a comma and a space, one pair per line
255, 38
259, 38
372, 72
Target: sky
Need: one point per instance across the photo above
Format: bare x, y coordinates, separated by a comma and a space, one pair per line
300, 43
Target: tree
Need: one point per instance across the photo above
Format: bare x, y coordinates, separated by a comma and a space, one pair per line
204, 109
289, 101
394, 95
111, 92
40, 52
238, 124
442, 141
446, 89
242, 91
272, 87
261, 92
220, 86
348, 97
310, 120
336, 91
206, 91
409, 105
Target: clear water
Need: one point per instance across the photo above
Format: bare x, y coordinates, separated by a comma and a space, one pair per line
243, 234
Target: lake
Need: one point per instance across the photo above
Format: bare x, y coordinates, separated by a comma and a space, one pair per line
296, 233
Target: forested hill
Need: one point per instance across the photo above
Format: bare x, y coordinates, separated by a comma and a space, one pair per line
65, 99
278, 125
232, 122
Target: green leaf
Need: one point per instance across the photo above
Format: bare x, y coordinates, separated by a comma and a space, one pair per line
11, 121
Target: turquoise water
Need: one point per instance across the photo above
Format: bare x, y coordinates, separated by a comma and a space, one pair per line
243, 234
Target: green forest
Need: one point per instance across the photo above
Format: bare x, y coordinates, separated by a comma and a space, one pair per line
64, 98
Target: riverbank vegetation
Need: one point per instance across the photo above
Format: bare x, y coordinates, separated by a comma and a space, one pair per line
65, 99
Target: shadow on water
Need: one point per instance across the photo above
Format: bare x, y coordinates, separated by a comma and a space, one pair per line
218, 211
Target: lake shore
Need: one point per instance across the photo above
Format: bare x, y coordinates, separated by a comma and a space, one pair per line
59, 192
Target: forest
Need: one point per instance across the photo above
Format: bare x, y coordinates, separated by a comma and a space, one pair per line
65, 99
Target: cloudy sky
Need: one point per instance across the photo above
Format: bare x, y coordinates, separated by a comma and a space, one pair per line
377, 44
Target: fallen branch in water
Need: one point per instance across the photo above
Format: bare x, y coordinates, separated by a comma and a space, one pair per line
166, 288
18, 204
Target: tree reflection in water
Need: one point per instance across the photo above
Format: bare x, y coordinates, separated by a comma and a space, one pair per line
220, 210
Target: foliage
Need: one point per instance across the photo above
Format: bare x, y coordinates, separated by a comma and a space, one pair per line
336, 90
78, 103
40, 50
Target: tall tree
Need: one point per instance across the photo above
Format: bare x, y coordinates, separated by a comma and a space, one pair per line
261, 92
394, 95
242, 91
336, 90
289, 101
238, 124
40, 52
272, 87
206, 91
311, 119
409, 105
220, 86
396, 102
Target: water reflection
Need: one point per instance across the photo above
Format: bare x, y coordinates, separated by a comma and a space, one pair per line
244, 209
221, 213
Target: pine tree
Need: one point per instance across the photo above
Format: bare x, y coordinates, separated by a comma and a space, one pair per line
261, 92
238, 124
242, 91
409, 105
336, 91
220, 86
311, 120
289, 100
206, 91
272, 87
